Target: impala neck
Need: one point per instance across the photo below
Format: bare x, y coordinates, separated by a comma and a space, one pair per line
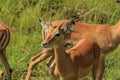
60, 57
116, 32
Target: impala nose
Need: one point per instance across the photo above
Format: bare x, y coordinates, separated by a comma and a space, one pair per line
44, 45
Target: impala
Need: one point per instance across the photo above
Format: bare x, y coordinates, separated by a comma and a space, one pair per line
70, 65
107, 37
4, 41
46, 53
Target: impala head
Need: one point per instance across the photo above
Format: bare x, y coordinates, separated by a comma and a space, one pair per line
56, 33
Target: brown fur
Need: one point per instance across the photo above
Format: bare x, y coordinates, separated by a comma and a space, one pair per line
46, 53
84, 54
4, 41
106, 36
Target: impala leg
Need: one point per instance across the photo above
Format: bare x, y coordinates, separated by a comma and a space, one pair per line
35, 60
5, 62
101, 67
95, 68
51, 65
1, 74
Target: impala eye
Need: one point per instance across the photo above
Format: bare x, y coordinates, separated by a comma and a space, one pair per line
57, 35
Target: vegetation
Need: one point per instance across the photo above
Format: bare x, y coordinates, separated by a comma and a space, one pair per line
22, 18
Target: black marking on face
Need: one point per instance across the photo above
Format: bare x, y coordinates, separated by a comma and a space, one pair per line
57, 34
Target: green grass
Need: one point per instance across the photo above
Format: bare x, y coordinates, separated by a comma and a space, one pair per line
22, 18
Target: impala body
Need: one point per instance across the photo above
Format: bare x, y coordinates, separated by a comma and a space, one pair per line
71, 64
4, 41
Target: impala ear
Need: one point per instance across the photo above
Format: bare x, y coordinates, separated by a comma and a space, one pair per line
69, 27
43, 24
50, 24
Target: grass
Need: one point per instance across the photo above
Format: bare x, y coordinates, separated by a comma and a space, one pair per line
22, 18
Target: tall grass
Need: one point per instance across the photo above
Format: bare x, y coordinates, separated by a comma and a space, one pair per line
22, 18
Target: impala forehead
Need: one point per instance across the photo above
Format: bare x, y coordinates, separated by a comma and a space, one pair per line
52, 32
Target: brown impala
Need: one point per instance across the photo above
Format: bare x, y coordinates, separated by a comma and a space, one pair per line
4, 41
73, 63
107, 37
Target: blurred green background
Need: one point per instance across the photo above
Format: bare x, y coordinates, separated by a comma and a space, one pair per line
22, 18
